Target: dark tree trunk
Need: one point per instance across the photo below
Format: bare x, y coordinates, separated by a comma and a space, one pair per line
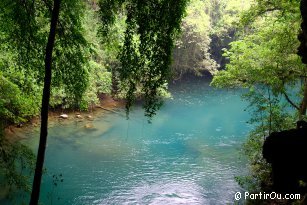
45, 104
302, 51
303, 107
115, 80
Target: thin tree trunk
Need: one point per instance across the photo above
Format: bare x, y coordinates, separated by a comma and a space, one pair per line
45, 104
304, 101
302, 51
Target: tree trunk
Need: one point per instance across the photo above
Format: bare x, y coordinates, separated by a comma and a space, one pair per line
45, 104
302, 51
303, 106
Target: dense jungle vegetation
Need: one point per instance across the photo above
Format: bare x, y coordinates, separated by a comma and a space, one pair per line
132, 49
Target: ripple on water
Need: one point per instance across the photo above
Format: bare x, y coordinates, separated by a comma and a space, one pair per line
159, 193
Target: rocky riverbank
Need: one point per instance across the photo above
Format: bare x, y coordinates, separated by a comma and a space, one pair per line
107, 105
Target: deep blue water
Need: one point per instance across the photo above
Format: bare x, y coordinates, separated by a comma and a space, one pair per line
188, 155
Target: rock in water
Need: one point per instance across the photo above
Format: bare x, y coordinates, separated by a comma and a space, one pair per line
64, 116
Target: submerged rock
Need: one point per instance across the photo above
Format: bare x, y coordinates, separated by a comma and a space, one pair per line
89, 126
89, 117
79, 116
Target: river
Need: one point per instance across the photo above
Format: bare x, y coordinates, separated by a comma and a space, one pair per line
189, 154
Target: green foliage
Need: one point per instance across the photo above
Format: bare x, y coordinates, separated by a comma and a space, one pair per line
23, 33
71, 52
86, 61
102, 53
283, 9
76, 79
15, 106
266, 55
264, 60
18, 58
151, 28
99, 82
16, 165
191, 53
225, 15
269, 114
112, 26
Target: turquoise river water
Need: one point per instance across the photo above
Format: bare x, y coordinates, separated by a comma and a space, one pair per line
188, 155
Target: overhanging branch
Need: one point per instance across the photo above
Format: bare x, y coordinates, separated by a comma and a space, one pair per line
290, 101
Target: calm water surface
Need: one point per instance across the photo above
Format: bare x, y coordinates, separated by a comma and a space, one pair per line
188, 155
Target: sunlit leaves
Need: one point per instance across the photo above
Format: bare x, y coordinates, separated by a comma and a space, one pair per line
191, 53
265, 55
24, 29
15, 106
282, 9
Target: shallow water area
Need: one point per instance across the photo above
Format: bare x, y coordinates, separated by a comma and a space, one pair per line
189, 154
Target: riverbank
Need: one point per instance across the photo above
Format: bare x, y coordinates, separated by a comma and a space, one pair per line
66, 116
